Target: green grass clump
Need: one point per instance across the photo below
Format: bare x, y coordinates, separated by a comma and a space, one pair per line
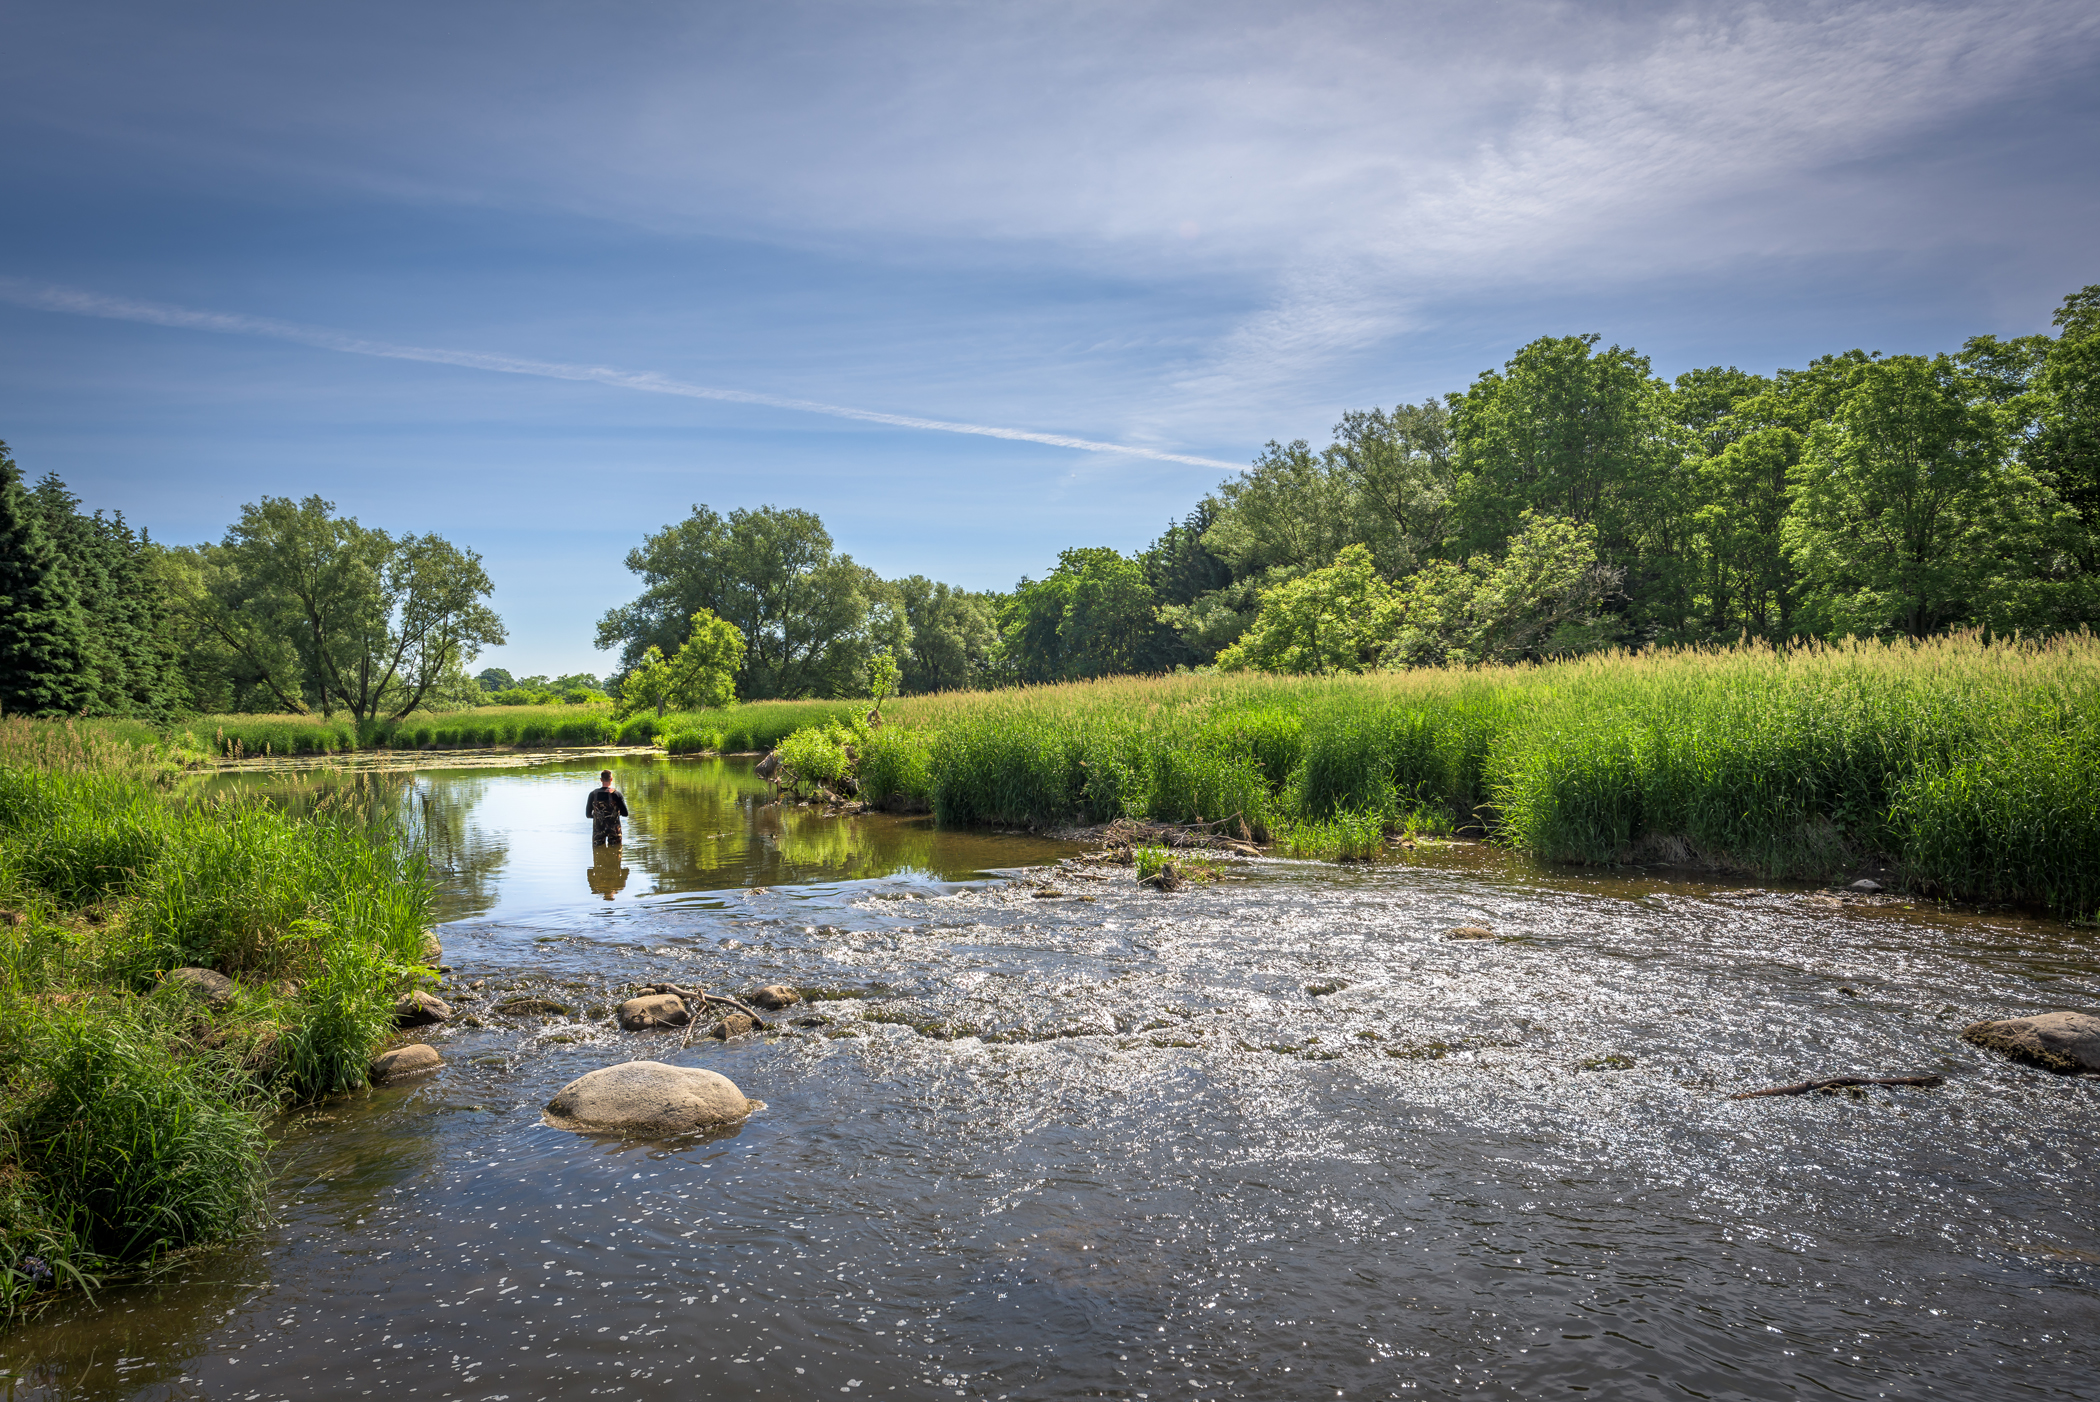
1343, 837
1973, 765
896, 768
130, 1113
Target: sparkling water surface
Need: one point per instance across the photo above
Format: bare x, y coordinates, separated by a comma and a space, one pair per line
1272, 1138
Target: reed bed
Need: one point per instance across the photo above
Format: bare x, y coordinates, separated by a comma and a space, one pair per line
131, 1117
1971, 766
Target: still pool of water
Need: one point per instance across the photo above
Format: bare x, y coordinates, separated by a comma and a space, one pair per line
1272, 1138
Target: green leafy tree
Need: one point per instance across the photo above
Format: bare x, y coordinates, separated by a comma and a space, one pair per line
1746, 582
1288, 513
1337, 619
1397, 467
1587, 436
495, 679
44, 650
2065, 446
701, 675
883, 676
804, 611
1906, 502
320, 607
950, 635
1093, 616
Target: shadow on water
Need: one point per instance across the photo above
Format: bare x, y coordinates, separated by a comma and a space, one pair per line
1276, 1138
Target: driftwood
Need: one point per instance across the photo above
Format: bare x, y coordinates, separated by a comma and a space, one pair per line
710, 1000
1840, 1082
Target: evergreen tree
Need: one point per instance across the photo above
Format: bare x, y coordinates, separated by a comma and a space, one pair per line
43, 636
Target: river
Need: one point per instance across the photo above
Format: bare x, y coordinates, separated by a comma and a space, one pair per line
1276, 1137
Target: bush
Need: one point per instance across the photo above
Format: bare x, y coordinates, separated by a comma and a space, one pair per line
818, 754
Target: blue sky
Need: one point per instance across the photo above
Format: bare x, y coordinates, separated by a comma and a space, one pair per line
1184, 229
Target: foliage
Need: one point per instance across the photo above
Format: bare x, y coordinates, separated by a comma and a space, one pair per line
701, 676
43, 628
1969, 764
1338, 619
806, 614
823, 754
314, 607
953, 634
131, 1115
1541, 598
1092, 616
1905, 503
883, 675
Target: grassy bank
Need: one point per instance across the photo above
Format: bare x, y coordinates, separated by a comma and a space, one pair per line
1973, 768
756, 726
131, 1112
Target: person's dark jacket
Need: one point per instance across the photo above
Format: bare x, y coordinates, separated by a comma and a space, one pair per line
604, 803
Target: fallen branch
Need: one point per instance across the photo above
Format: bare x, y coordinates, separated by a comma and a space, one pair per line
1840, 1082
711, 1000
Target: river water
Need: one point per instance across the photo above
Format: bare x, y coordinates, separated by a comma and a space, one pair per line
1272, 1138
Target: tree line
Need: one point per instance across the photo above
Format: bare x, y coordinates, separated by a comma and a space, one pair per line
297, 610
1569, 500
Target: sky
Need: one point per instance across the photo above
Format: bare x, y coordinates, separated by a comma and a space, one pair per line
974, 282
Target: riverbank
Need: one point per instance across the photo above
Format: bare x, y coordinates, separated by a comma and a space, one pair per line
756, 726
1960, 769
132, 1105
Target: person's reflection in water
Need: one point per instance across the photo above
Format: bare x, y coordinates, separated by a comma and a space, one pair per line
607, 876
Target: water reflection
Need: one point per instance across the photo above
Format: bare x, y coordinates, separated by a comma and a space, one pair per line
506, 842
607, 877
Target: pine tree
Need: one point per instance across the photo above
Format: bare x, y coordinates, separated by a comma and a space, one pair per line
43, 636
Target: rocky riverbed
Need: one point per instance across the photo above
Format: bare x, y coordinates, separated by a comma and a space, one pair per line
1284, 1136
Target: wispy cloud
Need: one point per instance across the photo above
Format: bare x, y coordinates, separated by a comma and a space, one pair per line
75, 301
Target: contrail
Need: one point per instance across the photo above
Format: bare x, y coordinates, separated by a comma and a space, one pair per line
50, 297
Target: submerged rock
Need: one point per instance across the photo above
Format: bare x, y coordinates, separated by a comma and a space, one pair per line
405, 1061
773, 995
420, 1010
208, 984
1866, 885
1470, 932
655, 1010
648, 1097
734, 1025
2064, 1042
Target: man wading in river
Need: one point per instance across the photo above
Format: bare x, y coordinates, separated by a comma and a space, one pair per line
605, 808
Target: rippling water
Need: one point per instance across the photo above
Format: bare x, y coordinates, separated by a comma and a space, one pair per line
1272, 1138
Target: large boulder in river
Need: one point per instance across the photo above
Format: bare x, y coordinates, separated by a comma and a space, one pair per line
773, 995
405, 1061
420, 1010
2066, 1042
648, 1098
212, 988
655, 1010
